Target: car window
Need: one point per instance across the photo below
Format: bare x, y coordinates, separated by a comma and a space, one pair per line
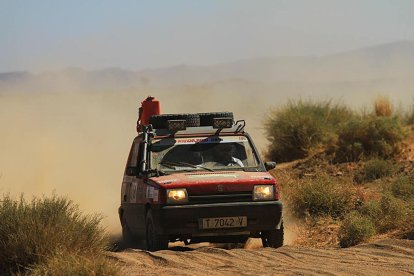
133, 156
175, 154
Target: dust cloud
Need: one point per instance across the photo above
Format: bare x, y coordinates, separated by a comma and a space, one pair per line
66, 139
68, 144
75, 143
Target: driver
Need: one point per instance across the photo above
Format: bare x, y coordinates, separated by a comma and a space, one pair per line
225, 155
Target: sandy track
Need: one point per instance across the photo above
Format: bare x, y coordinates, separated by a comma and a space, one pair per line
387, 257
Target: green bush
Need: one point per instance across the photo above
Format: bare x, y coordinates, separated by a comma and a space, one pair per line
323, 195
30, 232
403, 187
369, 136
298, 127
374, 169
388, 213
355, 229
372, 209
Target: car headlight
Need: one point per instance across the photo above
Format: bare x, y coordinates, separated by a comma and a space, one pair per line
177, 196
263, 192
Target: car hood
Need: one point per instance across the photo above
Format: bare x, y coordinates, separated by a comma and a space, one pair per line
211, 182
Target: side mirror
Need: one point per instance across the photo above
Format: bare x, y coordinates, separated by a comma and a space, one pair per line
132, 171
270, 165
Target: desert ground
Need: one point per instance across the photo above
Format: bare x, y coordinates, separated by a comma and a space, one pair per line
385, 257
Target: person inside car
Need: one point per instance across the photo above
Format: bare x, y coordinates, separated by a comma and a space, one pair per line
225, 155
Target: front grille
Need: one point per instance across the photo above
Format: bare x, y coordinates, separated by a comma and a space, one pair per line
220, 198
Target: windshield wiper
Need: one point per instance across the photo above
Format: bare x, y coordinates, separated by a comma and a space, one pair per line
250, 169
170, 164
167, 164
158, 172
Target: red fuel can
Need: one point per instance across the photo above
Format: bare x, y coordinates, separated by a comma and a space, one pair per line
150, 106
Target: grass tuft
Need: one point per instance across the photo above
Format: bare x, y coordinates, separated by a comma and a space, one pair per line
374, 169
76, 264
302, 127
321, 196
387, 214
299, 127
403, 187
31, 232
367, 137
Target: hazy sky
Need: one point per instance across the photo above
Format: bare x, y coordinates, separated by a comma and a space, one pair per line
93, 34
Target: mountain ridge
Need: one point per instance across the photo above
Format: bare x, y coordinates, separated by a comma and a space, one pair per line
383, 61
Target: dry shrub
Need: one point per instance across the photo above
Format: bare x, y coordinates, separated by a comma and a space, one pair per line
320, 196
297, 128
31, 232
369, 136
64, 263
300, 128
383, 107
387, 214
408, 228
403, 187
374, 169
355, 229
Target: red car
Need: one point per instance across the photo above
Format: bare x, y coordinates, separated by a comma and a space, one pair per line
198, 178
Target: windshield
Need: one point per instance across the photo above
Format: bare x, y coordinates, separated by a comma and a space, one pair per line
202, 153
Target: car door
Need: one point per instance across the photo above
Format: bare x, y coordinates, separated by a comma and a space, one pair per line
132, 189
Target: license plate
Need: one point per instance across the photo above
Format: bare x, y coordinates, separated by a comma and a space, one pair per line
227, 222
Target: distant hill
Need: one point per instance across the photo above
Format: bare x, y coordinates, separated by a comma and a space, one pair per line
354, 76
14, 77
392, 62
378, 62
249, 88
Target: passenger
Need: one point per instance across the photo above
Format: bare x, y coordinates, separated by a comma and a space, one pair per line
225, 155
194, 158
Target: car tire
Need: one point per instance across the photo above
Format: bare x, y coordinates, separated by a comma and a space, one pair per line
206, 119
161, 121
154, 241
127, 238
273, 238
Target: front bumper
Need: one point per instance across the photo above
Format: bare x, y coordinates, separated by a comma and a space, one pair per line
183, 220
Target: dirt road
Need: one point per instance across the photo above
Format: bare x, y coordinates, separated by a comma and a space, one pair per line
387, 257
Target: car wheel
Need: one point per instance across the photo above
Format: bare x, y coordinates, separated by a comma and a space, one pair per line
154, 241
273, 238
127, 238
